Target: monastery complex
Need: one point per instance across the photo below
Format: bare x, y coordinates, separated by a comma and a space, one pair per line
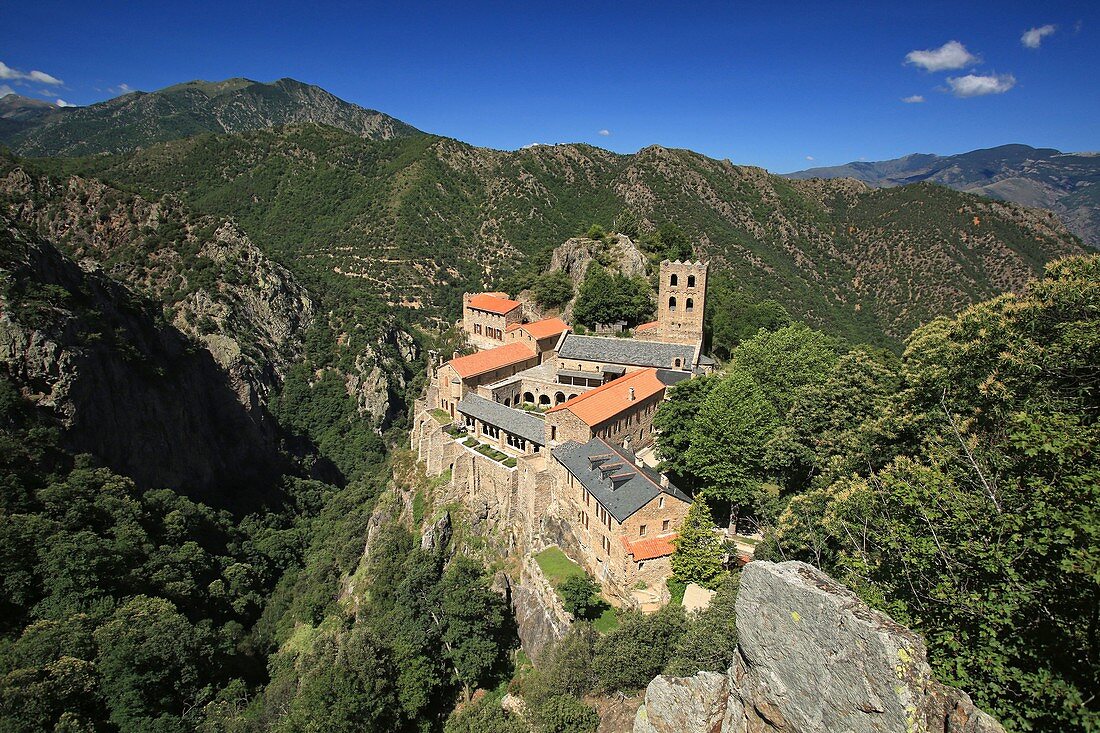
552, 431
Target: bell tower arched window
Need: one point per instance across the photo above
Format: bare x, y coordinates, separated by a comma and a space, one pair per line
689, 305
691, 281
672, 279
672, 302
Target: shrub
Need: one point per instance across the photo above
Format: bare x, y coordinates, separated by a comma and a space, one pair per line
581, 596
628, 657
553, 290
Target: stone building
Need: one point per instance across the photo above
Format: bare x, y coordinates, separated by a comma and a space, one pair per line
463, 374
620, 411
623, 516
509, 430
588, 355
681, 301
487, 316
540, 336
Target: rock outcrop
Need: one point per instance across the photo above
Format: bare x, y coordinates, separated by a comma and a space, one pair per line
812, 658
573, 257
540, 618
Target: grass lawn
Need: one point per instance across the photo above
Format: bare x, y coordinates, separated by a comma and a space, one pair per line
557, 566
608, 621
442, 416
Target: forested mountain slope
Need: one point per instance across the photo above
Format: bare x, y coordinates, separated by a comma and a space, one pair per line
1065, 183
417, 220
138, 119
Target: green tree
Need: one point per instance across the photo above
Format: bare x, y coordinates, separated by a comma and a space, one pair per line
985, 532
698, 555
733, 439
636, 651
710, 642
785, 361
580, 596
553, 290
605, 297
473, 622
153, 663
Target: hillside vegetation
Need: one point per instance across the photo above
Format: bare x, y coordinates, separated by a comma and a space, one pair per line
417, 220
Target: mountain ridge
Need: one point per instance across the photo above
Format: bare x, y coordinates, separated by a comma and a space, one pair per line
1065, 183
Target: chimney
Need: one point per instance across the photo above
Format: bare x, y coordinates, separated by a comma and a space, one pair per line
455, 355
664, 480
631, 394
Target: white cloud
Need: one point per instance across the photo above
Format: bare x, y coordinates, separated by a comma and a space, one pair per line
44, 78
605, 133
974, 85
809, 157
7, 72
63, 103
1034, 37
913, 99
5, 90
121, 89
951, 55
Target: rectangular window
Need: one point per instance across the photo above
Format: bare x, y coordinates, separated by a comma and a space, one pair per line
664, 526
553, 432
477, 328
641, 531
661, 503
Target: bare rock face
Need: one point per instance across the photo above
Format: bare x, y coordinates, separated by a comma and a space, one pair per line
540, 618
575, 255
812, 658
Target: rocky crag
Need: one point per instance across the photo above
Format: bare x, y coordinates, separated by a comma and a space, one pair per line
812, 658
121, 383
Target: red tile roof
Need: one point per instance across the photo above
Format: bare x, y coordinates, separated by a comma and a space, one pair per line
646, 326
545, 328
487, 361
650, 547
512, 327
603, 403
493, 303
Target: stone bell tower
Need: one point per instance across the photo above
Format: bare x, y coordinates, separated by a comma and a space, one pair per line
681, 298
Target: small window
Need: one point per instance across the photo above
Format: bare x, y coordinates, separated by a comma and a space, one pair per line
641, 564
689, 305
661, 503
641, 531
672, 303
553, 432
677, 363
672, 279
664, 526
691, 281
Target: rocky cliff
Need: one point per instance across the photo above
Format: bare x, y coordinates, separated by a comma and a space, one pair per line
812, 658
121, 383
617, 252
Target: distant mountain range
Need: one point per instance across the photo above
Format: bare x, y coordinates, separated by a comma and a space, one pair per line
1066, 183
34, 128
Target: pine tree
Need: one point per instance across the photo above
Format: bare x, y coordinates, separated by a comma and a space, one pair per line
698, 556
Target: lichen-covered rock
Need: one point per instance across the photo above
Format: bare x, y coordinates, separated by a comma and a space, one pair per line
812, 658
683, 704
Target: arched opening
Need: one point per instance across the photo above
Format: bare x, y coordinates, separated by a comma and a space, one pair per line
691, 281
572, 396
672, 280
528, 397
689, 305
559, 398
544, 400
677, 363
507, 402
672, 303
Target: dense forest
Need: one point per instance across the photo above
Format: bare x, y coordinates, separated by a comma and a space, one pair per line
956, 488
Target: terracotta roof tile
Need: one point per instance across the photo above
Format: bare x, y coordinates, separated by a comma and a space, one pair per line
650, 547
605, 402
646, 326
493, 303
545, 328
487, 361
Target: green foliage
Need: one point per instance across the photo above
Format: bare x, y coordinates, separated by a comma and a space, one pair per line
553, 290
667, 242
698, 555
627, 658
580, 596
605, 297
733, 316
983, 530
710, 641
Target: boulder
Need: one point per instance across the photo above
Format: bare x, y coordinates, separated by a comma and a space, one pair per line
812, 658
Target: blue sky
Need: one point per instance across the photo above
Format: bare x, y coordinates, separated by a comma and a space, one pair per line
763, 83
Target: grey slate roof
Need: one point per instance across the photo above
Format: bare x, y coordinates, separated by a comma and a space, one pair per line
516, 422
670, 377
626, 351
623, 487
